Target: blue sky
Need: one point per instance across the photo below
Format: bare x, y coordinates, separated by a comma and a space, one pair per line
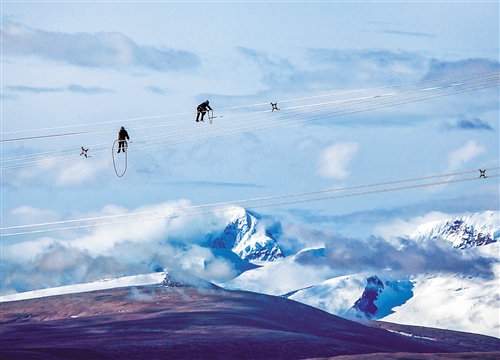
74, 63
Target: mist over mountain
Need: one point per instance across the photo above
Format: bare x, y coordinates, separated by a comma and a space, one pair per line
443, 275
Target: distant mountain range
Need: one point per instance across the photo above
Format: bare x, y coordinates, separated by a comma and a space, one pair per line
446, 300
442, 299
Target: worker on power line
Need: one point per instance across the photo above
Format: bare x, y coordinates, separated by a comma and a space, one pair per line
202, 109
122, 139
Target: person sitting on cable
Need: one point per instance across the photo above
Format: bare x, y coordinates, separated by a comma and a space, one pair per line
202, 109
122, 139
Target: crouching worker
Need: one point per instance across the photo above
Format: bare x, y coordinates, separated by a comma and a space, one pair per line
202, 109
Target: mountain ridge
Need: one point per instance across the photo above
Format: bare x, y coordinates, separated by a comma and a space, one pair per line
186, 322
405, 300
463, 232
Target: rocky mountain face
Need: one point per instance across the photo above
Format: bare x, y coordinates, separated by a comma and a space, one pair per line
365, 306
247, 238
380, 296
463, 232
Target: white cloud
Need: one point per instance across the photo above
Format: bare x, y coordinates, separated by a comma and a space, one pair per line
26, 214
139, 231
25, 251
99, 50
31, 213
79, 172
122, 249
335, 158
402, 228
51, 172
464, 154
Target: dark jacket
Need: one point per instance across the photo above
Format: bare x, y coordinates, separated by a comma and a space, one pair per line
123, 134
203, 107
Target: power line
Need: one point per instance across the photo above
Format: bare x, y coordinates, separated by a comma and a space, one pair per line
247, 201
466, 76
438, 80
289, 116
338, 102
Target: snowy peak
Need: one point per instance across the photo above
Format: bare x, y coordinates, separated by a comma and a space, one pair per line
463, 232
246, 238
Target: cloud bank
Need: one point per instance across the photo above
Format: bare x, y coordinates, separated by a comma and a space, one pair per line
182, 244
408, 257
344, 255
99, 50
85, 255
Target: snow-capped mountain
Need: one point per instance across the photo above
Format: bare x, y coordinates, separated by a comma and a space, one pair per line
463, 232
247, 238
442, 299
357, 296
449, 301
452, 300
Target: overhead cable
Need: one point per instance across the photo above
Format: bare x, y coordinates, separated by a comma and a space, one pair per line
172, 213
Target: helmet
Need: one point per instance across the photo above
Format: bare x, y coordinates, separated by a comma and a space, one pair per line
207, 102
122, 128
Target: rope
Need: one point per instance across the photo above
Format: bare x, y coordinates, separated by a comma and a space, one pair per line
246, 201
393, 86
475, 74
126, 155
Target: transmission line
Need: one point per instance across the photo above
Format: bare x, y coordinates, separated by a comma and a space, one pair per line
292, 115
173, 214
